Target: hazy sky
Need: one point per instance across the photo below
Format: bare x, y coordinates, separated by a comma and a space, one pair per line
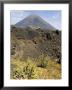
52, 17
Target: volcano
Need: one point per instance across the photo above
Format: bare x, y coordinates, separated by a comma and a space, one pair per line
34, 21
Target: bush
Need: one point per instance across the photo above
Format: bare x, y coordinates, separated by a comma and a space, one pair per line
27, 71
43, 62
30, 70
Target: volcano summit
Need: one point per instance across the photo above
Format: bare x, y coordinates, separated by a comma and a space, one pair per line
34, 21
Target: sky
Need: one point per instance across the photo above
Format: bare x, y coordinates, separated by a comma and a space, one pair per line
53, 17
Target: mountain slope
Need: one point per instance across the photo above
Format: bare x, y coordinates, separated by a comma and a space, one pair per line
33, 43
34, 21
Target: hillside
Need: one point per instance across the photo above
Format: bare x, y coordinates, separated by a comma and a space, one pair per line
34, 43
35, 54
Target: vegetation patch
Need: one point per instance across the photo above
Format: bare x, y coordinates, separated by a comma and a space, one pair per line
32, 69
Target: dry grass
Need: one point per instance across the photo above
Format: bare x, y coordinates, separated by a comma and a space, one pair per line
41, 68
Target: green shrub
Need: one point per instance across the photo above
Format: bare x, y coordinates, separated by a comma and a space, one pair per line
43, 62
30, 70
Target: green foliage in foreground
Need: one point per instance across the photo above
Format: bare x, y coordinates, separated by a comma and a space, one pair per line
41, 68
